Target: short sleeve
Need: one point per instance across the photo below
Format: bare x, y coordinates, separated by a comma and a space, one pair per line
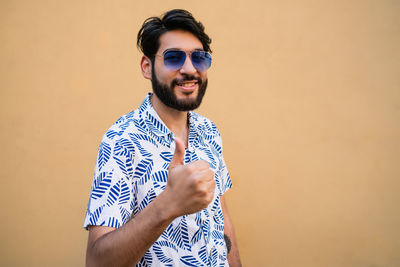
111, 200
223, 178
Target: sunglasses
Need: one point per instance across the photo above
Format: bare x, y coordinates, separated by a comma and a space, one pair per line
174, 59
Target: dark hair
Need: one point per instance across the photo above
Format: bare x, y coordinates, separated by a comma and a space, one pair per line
177, 19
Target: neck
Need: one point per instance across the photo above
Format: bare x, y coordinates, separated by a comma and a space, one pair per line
175, 120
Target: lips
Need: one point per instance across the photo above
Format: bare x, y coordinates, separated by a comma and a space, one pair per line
187, 85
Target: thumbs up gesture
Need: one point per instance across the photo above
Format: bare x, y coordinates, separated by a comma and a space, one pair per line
190, 187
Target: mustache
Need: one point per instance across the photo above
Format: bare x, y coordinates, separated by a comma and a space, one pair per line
186, 78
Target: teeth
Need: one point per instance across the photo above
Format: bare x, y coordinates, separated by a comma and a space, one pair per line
187, 84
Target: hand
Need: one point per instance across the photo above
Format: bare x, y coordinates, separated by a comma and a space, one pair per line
190, 187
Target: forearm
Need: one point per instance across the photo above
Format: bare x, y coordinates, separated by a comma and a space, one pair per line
126, 245
233, 255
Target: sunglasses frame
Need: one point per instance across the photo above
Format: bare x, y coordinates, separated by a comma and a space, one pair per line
187, 53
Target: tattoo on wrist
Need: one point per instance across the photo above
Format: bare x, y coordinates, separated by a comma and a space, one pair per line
228, 243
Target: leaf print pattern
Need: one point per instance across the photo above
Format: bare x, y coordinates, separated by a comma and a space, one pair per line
132, 169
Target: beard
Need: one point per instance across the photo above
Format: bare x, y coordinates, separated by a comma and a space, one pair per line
167, 96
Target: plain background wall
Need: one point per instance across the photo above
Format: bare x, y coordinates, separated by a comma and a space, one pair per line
306, 95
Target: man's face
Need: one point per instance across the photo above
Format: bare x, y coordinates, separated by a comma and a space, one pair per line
181, 89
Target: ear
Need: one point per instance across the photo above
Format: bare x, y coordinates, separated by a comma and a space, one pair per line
145, 65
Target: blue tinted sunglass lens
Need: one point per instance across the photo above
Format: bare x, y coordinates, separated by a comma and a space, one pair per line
174, 59
201, 60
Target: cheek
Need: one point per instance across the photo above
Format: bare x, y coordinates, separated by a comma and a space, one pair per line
163, 75
203, 76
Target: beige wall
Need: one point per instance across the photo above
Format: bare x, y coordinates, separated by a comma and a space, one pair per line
306, 95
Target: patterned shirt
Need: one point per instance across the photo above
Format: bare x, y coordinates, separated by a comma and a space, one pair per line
132, 169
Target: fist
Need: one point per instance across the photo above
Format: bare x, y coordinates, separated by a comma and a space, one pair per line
190, 187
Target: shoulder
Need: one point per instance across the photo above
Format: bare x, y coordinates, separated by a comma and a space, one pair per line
128, 123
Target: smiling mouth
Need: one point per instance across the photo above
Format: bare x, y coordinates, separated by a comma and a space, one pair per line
187, 84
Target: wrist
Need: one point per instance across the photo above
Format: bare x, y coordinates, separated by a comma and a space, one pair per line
165, 207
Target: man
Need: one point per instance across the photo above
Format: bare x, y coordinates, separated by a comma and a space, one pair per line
156, 198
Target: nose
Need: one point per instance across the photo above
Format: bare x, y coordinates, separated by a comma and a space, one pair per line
188, 67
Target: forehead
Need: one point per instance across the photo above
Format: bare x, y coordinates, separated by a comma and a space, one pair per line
178, 39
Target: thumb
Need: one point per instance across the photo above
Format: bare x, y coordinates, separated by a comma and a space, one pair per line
179, 155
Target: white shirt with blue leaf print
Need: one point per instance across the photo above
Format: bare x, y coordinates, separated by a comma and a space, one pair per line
132, 169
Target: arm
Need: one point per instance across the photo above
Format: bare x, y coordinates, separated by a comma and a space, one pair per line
233, 255
189, 189
123, 246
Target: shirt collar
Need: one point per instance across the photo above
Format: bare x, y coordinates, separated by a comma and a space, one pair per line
157, 126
